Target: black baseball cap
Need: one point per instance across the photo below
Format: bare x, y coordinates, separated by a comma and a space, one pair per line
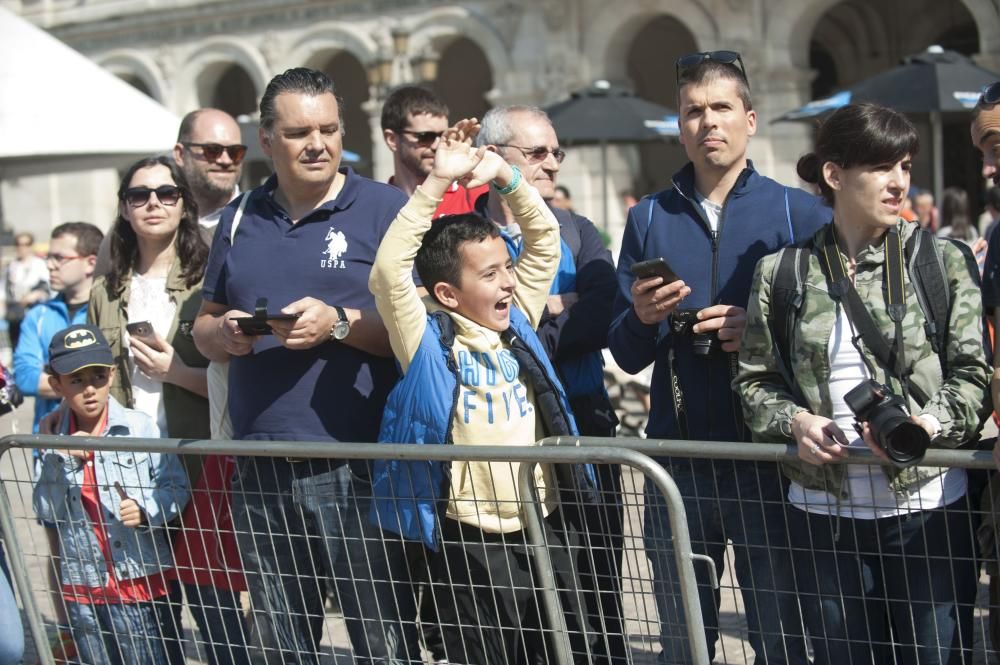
77, 347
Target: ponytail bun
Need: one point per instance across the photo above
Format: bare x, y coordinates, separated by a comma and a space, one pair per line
808, 168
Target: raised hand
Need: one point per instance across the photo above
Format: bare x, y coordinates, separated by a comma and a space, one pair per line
492, 167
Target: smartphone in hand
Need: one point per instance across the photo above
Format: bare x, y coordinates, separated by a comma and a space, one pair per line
255, 325
657, 267
142, 330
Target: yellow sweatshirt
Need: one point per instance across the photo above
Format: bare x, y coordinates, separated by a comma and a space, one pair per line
494, 406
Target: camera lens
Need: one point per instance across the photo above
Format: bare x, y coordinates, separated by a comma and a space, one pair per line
903, 440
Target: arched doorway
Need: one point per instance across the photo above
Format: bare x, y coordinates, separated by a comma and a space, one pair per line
856, 39
228, 87
464, 77
649, 65
351, 83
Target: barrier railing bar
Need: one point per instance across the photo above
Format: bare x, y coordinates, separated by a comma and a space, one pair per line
763, 452
19, 570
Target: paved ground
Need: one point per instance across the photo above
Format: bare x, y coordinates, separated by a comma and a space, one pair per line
640, 610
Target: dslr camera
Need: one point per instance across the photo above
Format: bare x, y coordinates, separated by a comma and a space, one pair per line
10, 394
681, 323
903, 440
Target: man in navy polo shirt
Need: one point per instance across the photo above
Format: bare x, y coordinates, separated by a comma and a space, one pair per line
305, 241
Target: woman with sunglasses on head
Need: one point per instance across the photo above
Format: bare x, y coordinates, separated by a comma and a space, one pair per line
884, 554
145, 306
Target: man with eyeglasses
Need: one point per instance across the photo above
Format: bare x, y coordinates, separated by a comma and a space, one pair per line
71, 260
413, 120
573, 331
719, 218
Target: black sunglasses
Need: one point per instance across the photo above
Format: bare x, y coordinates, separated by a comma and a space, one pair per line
425, 139
213, 151
691, 60
137, 197
990, 95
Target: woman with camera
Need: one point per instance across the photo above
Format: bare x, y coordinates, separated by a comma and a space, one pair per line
146, 306
884, 555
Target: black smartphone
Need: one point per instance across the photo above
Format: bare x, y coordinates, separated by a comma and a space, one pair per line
654, 268
141, 329
256, 325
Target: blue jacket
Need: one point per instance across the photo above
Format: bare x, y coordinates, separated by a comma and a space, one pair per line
40, 324
420, 409
759, 217
156, 481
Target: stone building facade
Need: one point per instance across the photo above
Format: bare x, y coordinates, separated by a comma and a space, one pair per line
190, 53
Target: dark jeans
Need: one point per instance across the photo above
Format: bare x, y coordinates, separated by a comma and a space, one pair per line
220, 622
301, 524
485, 589
741, 502
911, 580
127, 633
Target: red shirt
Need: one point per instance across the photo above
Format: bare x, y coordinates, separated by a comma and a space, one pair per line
457, 200
139, 590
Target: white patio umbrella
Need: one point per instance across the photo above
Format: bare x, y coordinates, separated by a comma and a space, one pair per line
60, 111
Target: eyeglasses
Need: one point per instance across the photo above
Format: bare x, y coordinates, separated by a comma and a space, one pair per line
424, 139
538, 153
990, 95
213, 151
691, 60
60, 259
137, 197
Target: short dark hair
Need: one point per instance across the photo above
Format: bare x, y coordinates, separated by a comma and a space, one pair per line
858, 135
300, 80
88, 237
708, 71
562, 189
410, 100
439, 258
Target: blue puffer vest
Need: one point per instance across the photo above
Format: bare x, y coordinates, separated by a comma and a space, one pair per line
407, 495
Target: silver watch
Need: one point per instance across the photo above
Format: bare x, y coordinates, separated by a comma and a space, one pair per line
342, 327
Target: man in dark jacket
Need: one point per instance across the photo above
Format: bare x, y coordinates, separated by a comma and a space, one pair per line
719, 218
573, 331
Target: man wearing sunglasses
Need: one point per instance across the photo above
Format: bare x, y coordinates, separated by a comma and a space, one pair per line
210, 152
719, 218
413, 120
573, 331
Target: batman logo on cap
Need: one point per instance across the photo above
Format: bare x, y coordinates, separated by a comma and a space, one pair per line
79, 339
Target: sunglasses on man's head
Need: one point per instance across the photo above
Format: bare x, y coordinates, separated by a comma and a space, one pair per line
425, 139
213, 151
990, 95
692, 60
137, 197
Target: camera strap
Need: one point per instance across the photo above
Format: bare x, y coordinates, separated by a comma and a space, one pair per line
892, 356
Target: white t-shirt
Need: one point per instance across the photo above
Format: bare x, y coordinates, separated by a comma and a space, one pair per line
869, 494
712, 211
149, 301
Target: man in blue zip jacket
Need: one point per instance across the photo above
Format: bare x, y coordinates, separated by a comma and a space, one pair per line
719, 218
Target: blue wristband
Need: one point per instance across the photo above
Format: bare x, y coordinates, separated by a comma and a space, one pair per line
514, 182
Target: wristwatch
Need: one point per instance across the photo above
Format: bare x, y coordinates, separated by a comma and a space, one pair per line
342, 327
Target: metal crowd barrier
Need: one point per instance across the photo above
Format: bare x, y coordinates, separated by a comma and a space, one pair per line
943, 558
28, 552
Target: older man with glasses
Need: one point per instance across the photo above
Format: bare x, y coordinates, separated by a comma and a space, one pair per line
711, 227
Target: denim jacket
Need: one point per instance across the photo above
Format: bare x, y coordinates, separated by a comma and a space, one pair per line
157, 482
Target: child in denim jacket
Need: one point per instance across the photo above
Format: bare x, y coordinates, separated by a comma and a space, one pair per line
111, 510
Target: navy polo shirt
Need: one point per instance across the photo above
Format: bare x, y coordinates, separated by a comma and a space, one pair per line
991, 274
332, 391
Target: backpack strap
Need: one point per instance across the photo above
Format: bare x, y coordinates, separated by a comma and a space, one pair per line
787, 288
930, 282
238, 217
